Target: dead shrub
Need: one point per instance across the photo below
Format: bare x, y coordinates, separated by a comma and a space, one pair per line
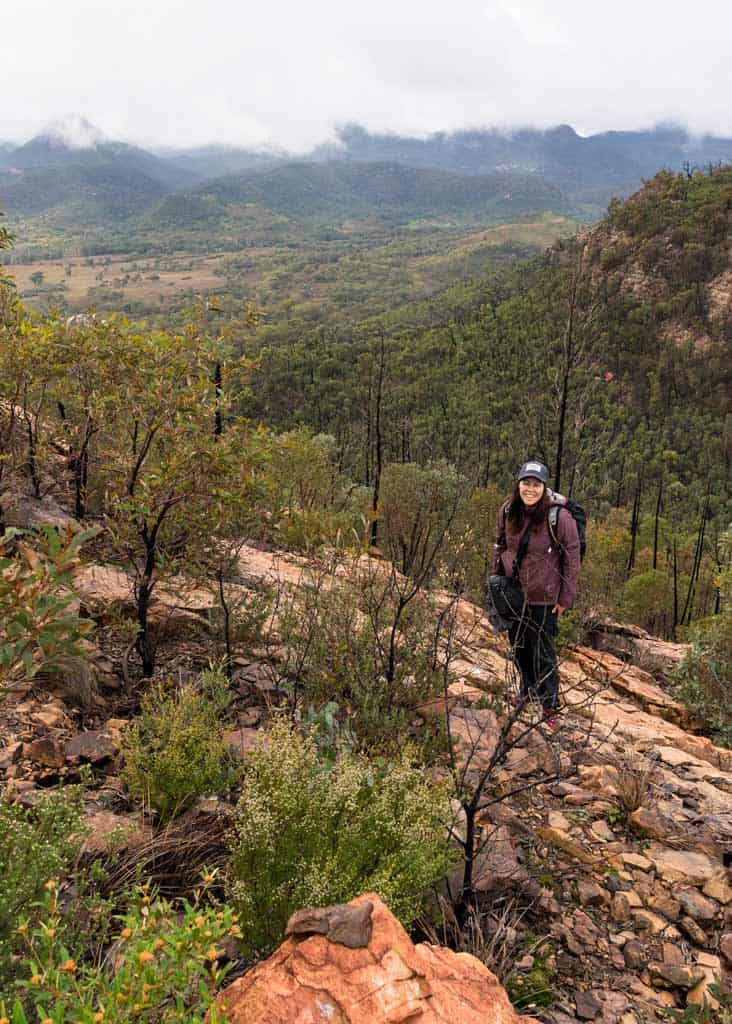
635, 781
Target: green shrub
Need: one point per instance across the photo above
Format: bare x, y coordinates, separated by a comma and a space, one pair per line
535, 988
37, 628
308, 834
357, 643
416, 507
35, 845
703, 680
166, 967
304, 500
647, 601
176, 751
569, 631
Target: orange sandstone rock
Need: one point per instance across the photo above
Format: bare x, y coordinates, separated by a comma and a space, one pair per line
312, 979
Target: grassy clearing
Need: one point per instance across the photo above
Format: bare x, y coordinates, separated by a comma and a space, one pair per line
358, 273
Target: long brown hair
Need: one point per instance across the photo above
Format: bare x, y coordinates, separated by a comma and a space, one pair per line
517, 513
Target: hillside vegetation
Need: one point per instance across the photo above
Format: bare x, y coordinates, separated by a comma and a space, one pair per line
608, 358
241, 573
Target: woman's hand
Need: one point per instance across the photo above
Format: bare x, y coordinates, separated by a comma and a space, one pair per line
558, 609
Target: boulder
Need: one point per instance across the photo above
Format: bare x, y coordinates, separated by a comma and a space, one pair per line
242, 741
682, 865
683, 976
697, 906
46, 751
313, 977
94, 746
634, 644
106, 832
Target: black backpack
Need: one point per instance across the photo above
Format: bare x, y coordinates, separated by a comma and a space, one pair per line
577, 513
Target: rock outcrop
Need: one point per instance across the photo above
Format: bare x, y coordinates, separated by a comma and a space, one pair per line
356, 965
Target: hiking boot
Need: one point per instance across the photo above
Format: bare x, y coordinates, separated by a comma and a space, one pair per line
550, 717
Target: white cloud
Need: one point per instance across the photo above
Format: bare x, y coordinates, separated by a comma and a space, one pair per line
283, 72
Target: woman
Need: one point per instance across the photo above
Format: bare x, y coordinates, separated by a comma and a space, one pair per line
548, 573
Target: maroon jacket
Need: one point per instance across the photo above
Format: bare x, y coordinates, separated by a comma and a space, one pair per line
548, 572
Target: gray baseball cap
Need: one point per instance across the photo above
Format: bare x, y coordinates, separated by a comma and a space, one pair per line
535, 469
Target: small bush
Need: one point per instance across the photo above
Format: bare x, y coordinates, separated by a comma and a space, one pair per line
176, 751
307, 834
38, 630
703, 680
166, 967
634, 784
358, 643
35, 845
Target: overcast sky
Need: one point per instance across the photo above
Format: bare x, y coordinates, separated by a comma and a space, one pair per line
284, 72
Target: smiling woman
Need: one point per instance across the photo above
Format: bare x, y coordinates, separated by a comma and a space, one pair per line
547, 570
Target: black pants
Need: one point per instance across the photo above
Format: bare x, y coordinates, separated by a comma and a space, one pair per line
532, 642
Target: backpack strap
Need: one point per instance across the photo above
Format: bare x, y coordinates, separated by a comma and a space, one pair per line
521, 553
552, 522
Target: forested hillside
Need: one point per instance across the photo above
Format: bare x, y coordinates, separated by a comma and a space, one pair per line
608, 358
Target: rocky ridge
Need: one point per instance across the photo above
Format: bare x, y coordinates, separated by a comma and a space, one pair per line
637, 903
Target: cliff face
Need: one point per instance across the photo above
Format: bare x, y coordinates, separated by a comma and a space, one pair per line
668, 248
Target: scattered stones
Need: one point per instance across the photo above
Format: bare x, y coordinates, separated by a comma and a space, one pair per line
719, 888
620, 908
725, 946
557, 820
601, 830
617, 884
700, 994
645, 921
665, 905
672, 954
591, 894
555, 837
636, 860
10, 754
650, 824
52, 717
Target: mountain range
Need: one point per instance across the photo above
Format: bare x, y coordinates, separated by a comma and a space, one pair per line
74, 174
